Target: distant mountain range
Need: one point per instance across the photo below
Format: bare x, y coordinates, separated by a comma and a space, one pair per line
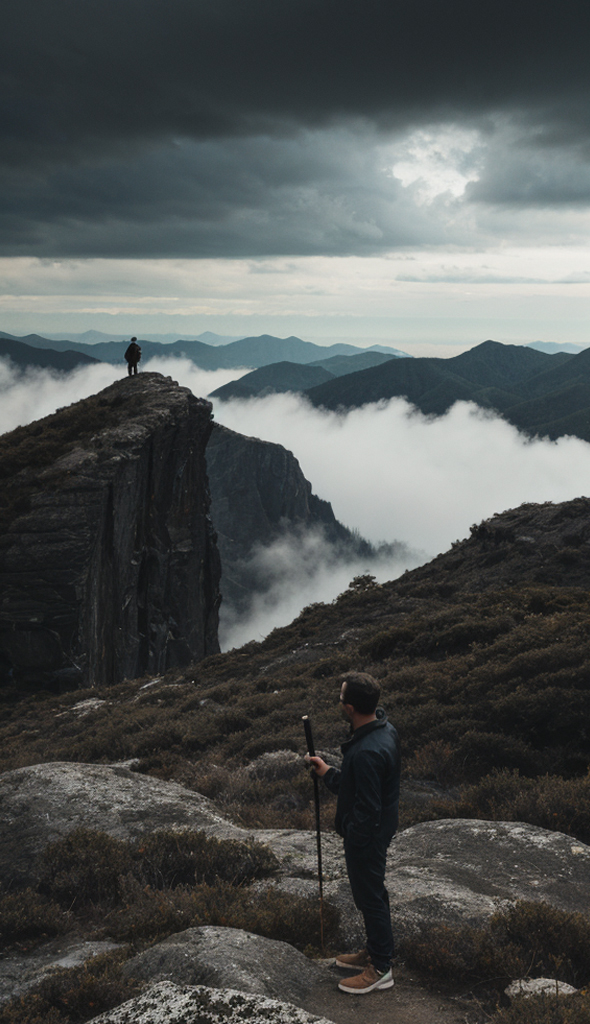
286, 376
94, 337
542, 394
24, 355
245, 352
551, 347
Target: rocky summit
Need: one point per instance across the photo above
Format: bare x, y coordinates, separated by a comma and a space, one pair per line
108, 563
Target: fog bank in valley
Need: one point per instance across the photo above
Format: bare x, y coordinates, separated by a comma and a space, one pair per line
398, 475
298, 569
390, 472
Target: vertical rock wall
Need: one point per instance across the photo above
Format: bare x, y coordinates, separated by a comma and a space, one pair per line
258, 492
108, 562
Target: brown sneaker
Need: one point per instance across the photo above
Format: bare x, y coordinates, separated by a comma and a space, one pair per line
353, 960
368, 981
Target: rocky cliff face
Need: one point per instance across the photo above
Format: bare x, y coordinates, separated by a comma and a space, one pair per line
108, 563
258, 492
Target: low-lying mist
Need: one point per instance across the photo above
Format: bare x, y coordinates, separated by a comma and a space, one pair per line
390, 472
298, 569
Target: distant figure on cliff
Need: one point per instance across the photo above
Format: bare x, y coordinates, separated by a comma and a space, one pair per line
132, 355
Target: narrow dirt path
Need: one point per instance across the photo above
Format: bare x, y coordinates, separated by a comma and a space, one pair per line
408, 1002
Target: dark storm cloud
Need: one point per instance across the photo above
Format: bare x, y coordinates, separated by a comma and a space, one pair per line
321, 192
126, 69
94, 93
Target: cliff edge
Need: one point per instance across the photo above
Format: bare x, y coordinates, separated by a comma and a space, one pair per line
108, 562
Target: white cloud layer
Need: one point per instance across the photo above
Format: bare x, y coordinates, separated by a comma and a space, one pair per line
395, 474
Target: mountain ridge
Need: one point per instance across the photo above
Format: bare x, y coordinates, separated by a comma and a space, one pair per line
255, 351
500, 377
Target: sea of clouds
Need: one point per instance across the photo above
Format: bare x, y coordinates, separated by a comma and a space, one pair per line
390, 472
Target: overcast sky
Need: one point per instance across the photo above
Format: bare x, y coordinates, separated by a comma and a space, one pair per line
362, 168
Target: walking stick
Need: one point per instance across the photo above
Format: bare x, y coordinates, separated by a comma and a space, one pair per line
316, 793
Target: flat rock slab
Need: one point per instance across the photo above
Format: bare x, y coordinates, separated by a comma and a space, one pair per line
18, 974
438, 871
296, 852
45, 802
167, 1003
463, 870
229, 958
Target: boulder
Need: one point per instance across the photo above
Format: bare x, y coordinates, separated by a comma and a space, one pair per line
462, 871
167, 1003
229, 958
108, 563
43, 802
526, 987
455, 871
274, 765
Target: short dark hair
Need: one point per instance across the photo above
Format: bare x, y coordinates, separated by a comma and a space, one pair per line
362, 691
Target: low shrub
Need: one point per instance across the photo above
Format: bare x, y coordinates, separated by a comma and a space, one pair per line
546, 1010
265, 803
553, 943
88, 867
148, 914
85, 868
528, 939
168, 859
75, 995
562, 805
27, 916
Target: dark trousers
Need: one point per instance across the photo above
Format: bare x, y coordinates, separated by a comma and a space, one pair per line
366, 874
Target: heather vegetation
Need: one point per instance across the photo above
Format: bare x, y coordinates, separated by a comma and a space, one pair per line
489, 693
528, 940
137, 893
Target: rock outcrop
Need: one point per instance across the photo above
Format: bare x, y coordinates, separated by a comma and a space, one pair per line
229, 958
463, 870
108, 563
45, 802
167, 1003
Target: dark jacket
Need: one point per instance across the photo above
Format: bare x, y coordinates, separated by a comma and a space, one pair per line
368, 784
133, 353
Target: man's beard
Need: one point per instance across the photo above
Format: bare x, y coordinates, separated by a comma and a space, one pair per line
348, 721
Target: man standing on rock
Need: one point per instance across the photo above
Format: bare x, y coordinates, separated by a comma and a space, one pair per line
366, 817
132, 355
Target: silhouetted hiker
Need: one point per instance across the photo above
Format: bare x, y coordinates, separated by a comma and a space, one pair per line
366, 818
133, 355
